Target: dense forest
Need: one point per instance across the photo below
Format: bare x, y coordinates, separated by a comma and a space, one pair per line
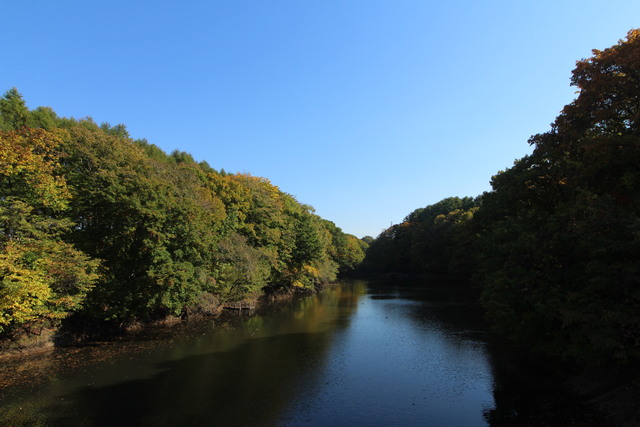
99, 227
554, 246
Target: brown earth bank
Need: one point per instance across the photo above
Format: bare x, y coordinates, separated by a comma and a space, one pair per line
81, 332
30, 361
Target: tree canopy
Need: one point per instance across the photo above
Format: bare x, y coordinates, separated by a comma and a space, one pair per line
96, 224
554, 244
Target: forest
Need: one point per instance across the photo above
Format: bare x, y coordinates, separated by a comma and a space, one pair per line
97, 228
554, 246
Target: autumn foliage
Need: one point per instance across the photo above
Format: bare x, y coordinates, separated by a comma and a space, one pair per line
96, 225
555, 245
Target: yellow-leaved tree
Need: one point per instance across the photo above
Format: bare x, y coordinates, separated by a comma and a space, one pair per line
42, 278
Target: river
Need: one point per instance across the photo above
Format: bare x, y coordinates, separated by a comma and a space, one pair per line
356, 354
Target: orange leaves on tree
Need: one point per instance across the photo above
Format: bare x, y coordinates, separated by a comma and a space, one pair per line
29, 159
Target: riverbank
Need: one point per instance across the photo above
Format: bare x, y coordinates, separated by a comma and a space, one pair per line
53, 356
81, 332
436, 325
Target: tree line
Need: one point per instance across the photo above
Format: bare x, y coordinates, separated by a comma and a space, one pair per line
554, 246
99, 226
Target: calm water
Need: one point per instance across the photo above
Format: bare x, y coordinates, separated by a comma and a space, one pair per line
354, 355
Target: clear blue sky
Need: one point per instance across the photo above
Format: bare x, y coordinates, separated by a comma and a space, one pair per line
364, 109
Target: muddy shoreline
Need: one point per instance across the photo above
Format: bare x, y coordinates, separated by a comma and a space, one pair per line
50, 340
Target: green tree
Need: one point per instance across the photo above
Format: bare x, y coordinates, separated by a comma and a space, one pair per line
42, 278
153, 222
118, 130
43, 118
433, 240
561, 226
170, 231
13, 110
240, 270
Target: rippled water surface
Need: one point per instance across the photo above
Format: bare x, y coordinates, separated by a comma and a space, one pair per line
356, 354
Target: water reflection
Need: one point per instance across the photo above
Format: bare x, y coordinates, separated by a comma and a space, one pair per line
397, 365
241, 374
526, 394
358, 354
249, 385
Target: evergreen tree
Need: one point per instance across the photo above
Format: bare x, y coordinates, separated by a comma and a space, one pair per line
13, 110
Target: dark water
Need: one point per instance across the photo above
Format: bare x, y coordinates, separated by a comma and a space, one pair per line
354, 355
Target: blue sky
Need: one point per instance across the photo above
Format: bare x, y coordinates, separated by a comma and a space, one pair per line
364, 109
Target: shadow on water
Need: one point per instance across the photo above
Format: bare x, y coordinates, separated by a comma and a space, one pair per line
241, 373
529, 393
249, 385
358, 354
526, 391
